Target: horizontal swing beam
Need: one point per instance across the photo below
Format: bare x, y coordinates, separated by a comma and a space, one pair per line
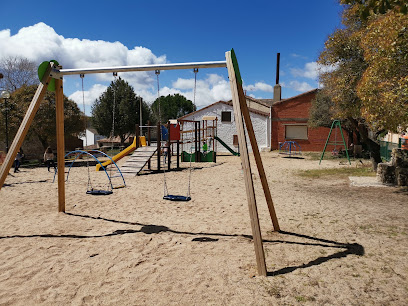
218, 64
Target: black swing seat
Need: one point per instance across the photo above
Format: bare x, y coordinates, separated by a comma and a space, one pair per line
98, 192
176, 198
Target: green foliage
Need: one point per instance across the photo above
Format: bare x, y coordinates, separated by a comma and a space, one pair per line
383, 88
44, 124
369, 86
171, 107
322, 110
366, 8
127, 110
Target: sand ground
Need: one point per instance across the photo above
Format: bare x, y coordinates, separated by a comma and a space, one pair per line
340, 244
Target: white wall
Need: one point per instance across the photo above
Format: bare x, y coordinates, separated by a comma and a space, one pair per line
226, 130
91, 138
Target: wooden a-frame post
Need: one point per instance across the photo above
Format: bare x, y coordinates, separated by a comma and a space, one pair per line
25, 124
59, 108
241, 110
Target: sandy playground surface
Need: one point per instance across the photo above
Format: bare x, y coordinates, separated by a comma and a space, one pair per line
340, 244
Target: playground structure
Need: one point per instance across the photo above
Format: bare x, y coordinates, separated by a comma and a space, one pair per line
52, 78
336, 125
197, 139
290, 148
118, 156
73, 156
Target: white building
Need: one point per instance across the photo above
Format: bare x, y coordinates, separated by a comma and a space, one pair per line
226, 129
91, 137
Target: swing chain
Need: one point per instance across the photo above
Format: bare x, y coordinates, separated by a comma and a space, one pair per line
115, 75
157, 72
83, 103
195, 70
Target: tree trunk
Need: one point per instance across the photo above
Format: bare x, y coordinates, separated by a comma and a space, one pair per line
44, 142
372, 146
122, 140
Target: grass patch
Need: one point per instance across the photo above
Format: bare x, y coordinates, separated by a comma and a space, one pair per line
327, 156
338, 172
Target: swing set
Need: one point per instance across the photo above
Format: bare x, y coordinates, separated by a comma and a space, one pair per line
52, 79
165, 137
336, 125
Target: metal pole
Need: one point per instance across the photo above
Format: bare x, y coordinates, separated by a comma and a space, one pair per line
175, 66
7, 141
141, 101
168, 147
158, 146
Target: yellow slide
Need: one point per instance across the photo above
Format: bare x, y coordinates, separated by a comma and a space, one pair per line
123, 153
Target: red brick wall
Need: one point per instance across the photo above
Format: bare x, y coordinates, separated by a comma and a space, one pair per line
296, 111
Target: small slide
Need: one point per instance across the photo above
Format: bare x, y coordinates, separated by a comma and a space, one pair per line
118, 156
226, 146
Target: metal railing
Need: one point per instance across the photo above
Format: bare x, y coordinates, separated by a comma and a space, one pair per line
386, 149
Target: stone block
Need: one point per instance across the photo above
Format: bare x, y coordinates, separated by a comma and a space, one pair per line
399, 158
401, 176
386, 173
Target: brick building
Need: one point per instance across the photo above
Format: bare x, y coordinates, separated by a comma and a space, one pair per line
289, 121
275, 121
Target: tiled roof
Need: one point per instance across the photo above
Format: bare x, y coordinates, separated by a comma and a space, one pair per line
295, 97
229, 103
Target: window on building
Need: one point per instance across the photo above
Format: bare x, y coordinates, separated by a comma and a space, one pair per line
225, 116
295, 132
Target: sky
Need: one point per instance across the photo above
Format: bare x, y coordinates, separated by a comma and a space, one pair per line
84, 34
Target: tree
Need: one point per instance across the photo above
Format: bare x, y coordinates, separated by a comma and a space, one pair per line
383, 88
126, 110
44, 124
322, 111
358, 87
18, 72
369, 7
172, 107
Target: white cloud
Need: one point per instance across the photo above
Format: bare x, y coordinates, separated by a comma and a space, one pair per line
311, 70
259, 86
40, 42
298, 86
298, 56
89, 96
209, 90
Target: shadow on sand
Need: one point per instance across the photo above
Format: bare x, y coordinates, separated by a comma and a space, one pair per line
148, 229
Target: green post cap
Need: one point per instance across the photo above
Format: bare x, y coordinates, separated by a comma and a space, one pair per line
41, 71
236, 68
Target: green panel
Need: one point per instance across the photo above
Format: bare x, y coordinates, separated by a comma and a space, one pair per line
236, 68
185, 157
209, 157
41, 71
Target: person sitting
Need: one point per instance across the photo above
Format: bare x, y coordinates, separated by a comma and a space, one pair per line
49, 158
17, 161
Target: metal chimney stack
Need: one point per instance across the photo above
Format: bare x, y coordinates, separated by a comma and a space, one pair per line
277, 90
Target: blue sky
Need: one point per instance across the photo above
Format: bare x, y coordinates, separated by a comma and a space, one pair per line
81, 34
